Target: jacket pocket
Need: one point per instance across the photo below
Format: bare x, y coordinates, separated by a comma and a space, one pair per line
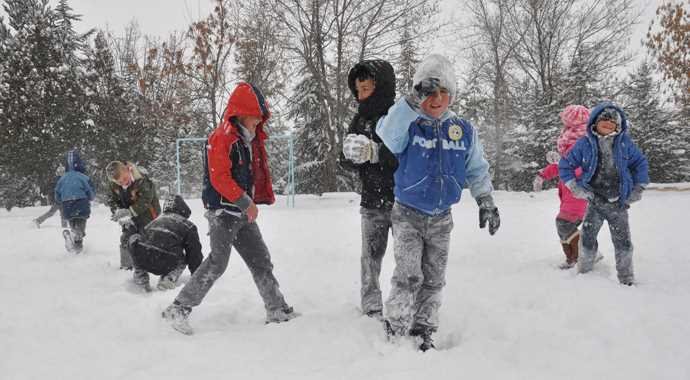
416, 186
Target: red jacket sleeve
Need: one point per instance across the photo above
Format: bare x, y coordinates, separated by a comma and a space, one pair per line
549, 172
220, 165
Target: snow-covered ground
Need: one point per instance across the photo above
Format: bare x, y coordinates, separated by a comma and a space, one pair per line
508, 313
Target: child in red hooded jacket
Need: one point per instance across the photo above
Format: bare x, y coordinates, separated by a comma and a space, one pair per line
236, 179
572, 209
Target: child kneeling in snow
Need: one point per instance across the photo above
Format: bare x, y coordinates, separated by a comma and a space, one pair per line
438, 154
133, 201
614, 174
572, 210
169, 244
74, 192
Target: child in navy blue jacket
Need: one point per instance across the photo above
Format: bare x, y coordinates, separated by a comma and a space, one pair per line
614, 174
74, 192
438, 154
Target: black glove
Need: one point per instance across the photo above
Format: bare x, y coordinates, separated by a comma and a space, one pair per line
488, 212
426, 87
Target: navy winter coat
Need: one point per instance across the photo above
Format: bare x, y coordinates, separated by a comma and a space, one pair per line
631, 163
74, 190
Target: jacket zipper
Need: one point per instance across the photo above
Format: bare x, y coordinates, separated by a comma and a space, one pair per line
440, 161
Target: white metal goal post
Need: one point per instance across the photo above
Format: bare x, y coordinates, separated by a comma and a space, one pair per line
291, 163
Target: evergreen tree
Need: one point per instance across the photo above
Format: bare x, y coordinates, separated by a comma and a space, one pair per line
41, 96
652, 129
116, 131
408, 60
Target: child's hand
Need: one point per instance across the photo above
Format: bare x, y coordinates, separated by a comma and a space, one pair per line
123, 216
538, 183
252, 212
359, 149
578, 191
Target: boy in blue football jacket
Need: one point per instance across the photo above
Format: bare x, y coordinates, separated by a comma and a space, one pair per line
74, 192
614, 175
438, 154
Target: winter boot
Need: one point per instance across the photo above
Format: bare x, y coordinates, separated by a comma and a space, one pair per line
280, 315
178, 317
424, 332
165, 283
571, 250
69, 242
78, 246
169, 281
388, 330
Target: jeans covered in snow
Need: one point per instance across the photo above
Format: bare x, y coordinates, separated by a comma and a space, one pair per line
599, 211
375, 226
229, 231
421, 253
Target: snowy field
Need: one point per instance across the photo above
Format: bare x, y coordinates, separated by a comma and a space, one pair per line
508, 313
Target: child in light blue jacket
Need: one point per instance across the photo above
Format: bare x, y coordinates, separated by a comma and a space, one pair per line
439, 154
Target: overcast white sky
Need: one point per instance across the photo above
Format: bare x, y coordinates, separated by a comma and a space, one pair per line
159, 17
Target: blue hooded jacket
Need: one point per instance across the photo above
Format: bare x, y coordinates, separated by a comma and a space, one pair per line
631, 163
437, 158
74, 190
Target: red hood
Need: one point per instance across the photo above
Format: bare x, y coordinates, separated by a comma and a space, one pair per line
246, 100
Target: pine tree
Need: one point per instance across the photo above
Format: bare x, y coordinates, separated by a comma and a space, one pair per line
116, 132
408, 60
652, 128
41, 96
260, 58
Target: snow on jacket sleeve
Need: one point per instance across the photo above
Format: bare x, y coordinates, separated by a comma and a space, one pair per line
568, 164
477, 169
393, 129
638, 165
220, 168
549, 172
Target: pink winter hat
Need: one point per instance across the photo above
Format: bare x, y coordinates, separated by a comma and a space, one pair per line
574, 118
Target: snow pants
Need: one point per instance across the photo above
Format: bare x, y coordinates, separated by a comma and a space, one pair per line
421, 244
229, 231
599, 211
375, 226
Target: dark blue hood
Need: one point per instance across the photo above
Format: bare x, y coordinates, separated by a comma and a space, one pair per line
73, 162
598, 109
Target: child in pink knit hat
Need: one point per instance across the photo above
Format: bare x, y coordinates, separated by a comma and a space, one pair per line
572, 210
